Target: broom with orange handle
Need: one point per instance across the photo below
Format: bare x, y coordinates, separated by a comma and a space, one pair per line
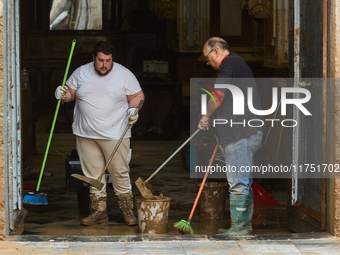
184, 226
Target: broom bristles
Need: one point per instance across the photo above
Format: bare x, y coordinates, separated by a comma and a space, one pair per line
184, 227
35, 198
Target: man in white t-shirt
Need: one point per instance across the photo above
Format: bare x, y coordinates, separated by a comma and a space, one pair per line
106, 95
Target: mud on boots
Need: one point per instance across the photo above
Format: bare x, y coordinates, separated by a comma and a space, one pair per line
241, 214
98, 212
125, 202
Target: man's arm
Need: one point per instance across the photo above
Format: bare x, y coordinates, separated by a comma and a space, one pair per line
70, 94
133, 103
211, 108
135, 99
65, 93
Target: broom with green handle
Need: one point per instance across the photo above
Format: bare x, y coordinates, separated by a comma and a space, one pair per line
184, 226
36, 197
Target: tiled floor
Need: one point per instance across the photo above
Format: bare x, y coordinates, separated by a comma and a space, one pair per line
318, 243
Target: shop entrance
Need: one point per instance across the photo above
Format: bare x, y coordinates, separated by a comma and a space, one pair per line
66, 206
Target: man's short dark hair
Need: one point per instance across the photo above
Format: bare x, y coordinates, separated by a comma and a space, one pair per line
218, 43
103, 47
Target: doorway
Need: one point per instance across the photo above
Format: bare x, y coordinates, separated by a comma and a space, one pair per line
63, 205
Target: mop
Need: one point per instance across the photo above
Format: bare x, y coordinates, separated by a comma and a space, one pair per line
144, 186
184, 226
36, 197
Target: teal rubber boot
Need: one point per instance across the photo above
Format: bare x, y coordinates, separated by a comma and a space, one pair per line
241, 213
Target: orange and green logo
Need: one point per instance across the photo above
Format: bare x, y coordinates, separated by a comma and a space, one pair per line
204, 97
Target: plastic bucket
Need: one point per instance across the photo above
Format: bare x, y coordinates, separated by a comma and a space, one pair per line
212, 200
153, 215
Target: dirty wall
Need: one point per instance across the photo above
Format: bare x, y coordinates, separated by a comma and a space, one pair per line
2, 162
334, 137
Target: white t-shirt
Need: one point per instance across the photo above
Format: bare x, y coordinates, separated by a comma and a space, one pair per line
101, 101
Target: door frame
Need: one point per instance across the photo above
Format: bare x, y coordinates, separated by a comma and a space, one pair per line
14, 211
298, 208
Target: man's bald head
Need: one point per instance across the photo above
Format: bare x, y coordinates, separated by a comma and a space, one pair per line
217, 42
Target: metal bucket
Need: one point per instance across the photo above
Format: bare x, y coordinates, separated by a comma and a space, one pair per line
153, 215
212, 200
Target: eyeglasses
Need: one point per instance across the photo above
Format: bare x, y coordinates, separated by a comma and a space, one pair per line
206, 57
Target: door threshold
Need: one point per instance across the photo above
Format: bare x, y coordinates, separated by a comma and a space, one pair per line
166, 238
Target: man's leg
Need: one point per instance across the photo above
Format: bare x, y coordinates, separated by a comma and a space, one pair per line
119, 171
239, 155
92, 163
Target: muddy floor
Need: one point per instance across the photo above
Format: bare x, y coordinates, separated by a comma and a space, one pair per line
67, 203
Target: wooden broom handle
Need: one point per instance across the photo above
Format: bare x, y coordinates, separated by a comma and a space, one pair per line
128, 126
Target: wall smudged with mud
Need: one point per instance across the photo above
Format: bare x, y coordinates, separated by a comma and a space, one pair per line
337, 209
333, 204
2, 161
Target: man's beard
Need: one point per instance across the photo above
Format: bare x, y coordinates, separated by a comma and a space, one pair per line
103, 74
